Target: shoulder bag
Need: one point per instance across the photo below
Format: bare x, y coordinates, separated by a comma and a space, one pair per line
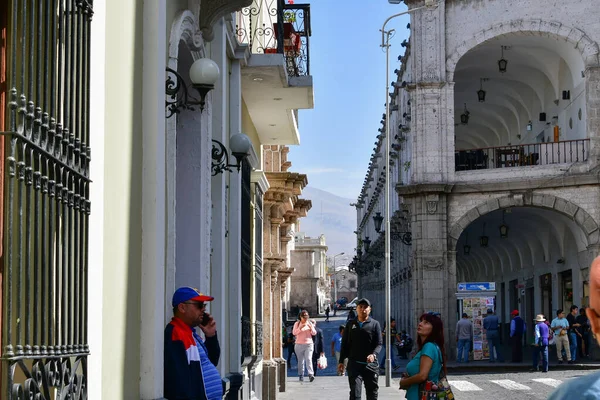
441, 389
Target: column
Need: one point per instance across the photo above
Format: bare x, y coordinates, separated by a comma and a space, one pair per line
592, 93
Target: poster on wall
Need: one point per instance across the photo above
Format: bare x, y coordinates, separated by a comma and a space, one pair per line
476, 308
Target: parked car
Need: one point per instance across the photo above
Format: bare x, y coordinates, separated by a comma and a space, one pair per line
352, 304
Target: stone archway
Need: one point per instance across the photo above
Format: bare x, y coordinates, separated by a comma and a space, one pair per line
590, 51
582, 218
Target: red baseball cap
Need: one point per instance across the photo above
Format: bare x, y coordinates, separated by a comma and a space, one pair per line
514, 312
188, 293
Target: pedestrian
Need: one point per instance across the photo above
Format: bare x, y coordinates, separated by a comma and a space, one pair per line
583, 338
491, 325
318, 346
560, 326
335, 308
464, 335
430, 360
291, 345
540, 343
573, 325
405, 345
336, 347
189, 361
304, 331
361, 343
517, 331
327, 311
393, 338
586, 387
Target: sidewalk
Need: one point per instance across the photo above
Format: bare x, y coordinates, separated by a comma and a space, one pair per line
334, 388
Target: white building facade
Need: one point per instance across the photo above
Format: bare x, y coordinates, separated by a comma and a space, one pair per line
495, 127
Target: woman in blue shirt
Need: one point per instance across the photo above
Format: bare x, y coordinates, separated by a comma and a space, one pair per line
429, 361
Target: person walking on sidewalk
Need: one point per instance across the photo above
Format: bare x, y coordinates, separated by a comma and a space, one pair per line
336, 348
304, 330
540, 343
517, 331
560, 326
491, 325
327, 311
319, 349
586, 387
464, 334
190, 362
361, 343
573, 326
431, 358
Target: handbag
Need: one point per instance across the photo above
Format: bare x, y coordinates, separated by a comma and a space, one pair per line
441, 389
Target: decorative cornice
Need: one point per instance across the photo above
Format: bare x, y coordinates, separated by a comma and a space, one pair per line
260, 179
212, 10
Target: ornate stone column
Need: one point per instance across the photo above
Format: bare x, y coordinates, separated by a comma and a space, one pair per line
592, 93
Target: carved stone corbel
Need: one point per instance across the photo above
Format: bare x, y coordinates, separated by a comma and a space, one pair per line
212, 10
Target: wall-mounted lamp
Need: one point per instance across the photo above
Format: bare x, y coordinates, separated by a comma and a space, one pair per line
464, 117
502, 63
378, 219
203, 74
529, 126
367, 243
240, 147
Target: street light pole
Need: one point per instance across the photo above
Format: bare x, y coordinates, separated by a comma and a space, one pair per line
385, 43
335, 279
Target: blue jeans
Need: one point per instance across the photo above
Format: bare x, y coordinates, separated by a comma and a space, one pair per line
382, 355
573, 345
543, 352
463, 344
493, 338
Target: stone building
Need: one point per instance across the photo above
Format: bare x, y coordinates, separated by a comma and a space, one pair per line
309, 287
495, 125
346, 282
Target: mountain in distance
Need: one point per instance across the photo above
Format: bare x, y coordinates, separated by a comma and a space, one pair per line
332, 216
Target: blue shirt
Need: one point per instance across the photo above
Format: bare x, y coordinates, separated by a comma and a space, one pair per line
587, 386
432, 351
491, 323
558, 324
337, 342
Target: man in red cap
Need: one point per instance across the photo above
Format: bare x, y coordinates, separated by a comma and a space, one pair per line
189, 362
517, 331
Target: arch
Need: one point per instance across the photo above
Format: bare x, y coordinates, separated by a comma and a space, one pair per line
589, 226
588, 49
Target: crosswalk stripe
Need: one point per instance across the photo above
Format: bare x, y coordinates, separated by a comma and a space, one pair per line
464, 386
548, 381
510, 385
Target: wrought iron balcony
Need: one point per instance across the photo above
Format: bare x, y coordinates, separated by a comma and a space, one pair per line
273, 27
567, 151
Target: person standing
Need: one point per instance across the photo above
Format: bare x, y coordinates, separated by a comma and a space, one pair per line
464, 334
393, 339
429, 362
318, 346
560, 326
361, 343
405, 346
583, 338
336, 348
327, 311
491, 326
540, 343
291, 344
517, 330
586, 387
304, 330
573, 325
189, 362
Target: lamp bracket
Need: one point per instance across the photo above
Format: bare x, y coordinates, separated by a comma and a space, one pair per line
178, 96
220, 159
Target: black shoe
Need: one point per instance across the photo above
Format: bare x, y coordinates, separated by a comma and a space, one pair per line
571, 362
560, 361
534, 370
311, 378
544, 372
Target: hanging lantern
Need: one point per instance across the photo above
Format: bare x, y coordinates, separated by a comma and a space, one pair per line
483, 239
502, 63
481, 92
503, 228
464, 117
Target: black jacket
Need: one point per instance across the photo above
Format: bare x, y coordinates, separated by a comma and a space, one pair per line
318, 344
358, 342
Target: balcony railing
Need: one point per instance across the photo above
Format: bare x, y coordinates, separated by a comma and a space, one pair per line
567, 151
271, 26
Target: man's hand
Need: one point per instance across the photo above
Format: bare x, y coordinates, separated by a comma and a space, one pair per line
210, 329
340, 368
371, 358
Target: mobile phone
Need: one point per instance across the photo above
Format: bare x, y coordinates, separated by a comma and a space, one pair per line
205, 319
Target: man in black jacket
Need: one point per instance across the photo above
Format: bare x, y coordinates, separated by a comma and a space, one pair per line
318, 346
361, 344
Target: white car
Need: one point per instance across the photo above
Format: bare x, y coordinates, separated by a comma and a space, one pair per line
352, 304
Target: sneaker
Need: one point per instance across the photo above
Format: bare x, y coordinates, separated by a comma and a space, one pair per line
301, 378
311, 378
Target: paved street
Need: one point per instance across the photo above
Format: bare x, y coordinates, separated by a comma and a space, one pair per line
490, 386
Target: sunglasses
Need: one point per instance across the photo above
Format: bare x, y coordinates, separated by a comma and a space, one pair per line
435, 314
198, 305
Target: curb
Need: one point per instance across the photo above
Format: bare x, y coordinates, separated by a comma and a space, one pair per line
519, 367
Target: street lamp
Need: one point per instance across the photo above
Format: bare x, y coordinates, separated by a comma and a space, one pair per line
335, 279
385, 43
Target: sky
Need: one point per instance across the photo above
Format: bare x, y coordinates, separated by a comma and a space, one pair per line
348, 69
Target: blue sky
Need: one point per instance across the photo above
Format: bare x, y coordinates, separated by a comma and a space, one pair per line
348, 68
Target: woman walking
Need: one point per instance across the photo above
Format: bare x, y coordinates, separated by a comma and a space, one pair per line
304, 330
430, 360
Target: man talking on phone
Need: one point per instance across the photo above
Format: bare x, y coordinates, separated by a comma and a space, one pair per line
189, 361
